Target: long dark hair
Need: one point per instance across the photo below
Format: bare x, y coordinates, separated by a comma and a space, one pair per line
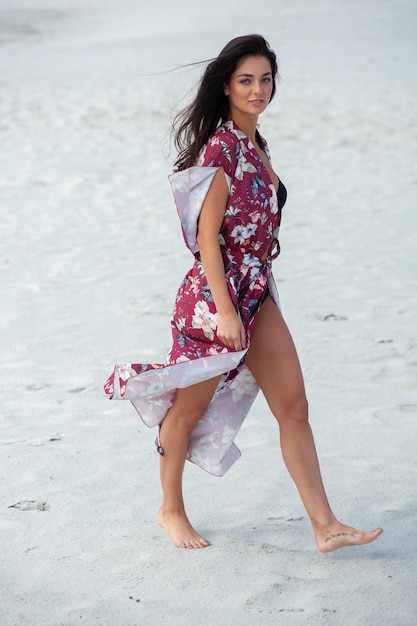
193, 126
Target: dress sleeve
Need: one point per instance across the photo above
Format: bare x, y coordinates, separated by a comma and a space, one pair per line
190, 186
220, 151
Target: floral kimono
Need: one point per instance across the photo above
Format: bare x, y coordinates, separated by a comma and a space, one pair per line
248, 234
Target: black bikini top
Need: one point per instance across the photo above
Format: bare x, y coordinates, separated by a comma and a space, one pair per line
281, 194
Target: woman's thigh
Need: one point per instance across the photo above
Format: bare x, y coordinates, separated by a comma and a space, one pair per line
273, 361
190, 403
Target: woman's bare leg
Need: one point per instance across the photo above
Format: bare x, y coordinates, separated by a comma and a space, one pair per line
187, 409
273, 361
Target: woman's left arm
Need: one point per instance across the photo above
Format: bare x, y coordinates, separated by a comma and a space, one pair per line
229, 328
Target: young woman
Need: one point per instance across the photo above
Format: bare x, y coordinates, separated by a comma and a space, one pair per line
229, 337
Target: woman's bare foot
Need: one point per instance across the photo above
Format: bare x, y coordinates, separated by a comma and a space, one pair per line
180, 530
339, 536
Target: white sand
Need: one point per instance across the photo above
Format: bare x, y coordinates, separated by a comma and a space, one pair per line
91, 256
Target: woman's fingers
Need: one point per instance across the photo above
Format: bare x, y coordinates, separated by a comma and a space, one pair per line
235, 342
231, 332
230, 342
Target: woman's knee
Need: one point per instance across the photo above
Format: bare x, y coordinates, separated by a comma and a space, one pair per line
295, 411
185, 416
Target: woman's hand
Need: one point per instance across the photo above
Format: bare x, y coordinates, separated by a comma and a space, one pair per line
230, 330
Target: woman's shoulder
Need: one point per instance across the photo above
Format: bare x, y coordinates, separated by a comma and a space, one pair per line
221, 150
224, 135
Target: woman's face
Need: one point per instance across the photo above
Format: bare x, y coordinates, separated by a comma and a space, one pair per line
250, 88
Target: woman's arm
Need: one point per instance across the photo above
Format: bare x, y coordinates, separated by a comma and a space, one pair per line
230, 328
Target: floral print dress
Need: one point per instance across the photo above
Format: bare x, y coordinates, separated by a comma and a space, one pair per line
249, 242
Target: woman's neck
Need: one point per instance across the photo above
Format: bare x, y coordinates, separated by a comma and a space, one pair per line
247, 124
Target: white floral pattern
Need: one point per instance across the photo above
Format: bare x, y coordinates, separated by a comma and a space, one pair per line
205, 320
243, 232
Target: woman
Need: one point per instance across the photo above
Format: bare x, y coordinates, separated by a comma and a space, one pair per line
229, 337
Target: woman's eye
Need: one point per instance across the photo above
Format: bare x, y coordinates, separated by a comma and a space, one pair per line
267, 79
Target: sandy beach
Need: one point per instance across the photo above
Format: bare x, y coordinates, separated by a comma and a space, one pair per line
91, 256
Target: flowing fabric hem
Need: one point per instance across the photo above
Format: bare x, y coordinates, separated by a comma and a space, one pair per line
211, 444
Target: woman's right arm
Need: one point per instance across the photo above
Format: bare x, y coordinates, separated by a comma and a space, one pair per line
229, 328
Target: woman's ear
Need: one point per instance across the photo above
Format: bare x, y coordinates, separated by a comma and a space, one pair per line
226, 89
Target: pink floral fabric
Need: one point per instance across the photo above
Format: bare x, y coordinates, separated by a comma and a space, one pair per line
248, 234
